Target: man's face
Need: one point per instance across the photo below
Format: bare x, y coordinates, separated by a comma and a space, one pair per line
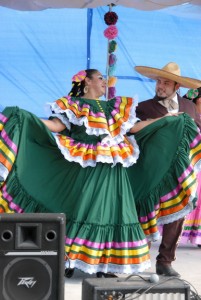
166, 88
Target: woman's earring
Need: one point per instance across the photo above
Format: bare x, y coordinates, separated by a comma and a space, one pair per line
86, 89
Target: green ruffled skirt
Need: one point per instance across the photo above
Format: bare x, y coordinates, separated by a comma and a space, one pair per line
103, 205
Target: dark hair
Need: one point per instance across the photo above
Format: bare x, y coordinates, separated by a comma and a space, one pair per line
78, 87
193, 94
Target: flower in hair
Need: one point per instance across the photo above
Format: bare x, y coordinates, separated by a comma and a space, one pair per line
111, 32
192, 94
80, 76
110, 18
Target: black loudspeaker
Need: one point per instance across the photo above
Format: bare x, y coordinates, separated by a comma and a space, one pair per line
32, 256
117, 288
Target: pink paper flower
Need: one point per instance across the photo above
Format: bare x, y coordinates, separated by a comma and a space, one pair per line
111, 32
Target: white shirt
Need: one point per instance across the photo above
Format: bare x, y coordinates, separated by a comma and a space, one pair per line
175, 99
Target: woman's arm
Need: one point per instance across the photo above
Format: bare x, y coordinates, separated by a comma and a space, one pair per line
54, 125
140, 125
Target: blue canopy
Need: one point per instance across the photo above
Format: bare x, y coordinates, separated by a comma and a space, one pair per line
41, 50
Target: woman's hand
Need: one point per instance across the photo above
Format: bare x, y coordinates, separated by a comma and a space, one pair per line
140, 125
173, 114
54, 125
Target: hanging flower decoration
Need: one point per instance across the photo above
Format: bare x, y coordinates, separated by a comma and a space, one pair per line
111, 32
111, 84
112, 59
112, 64
110, 18
112, 92
112, 46
112, 81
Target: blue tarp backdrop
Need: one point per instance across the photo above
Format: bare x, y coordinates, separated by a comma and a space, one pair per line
41, 50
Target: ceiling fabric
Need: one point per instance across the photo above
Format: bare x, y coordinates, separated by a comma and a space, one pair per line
41, 50
138, 4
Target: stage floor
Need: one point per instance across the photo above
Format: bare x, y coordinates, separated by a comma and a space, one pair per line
188, 264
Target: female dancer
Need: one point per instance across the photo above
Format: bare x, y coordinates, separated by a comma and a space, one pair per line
192, 224
88, 171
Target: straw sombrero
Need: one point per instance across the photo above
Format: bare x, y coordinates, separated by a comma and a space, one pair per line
170, 71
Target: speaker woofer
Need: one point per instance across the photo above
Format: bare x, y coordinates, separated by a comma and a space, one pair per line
27, 278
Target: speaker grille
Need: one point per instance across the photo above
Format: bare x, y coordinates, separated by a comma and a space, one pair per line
27, 278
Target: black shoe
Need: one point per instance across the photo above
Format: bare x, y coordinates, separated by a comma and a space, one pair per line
69, 272
199, 245
166, 270
105, 275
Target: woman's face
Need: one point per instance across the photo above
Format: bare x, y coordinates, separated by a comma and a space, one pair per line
96, 84
198, 100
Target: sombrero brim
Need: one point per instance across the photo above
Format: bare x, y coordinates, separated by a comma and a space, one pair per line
154, 73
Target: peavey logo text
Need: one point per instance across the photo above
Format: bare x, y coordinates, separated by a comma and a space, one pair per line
27, 281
